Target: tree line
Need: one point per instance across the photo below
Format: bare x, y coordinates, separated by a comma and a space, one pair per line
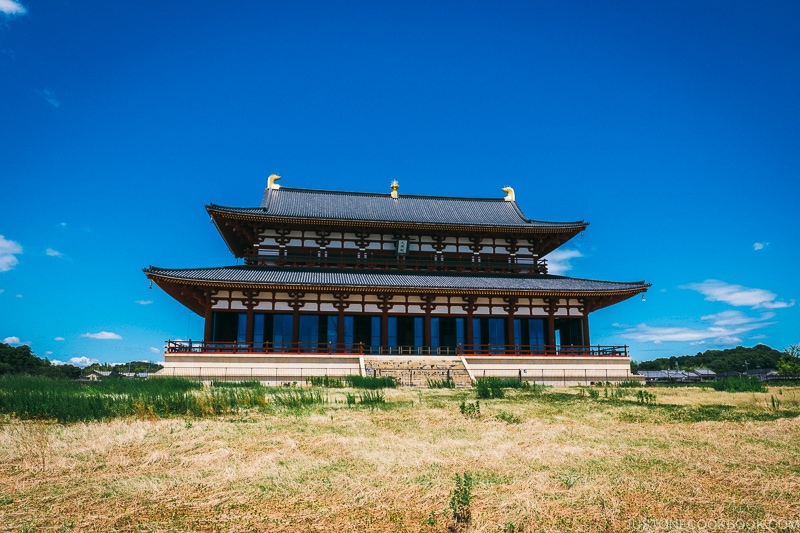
739, 359
21, 360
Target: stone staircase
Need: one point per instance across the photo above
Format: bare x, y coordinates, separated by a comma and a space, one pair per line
415, 371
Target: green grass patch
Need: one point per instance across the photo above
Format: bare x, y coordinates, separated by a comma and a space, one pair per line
738, 384
509, 418
293, 398
237, 384
446, 383
41, 398
368, 382
325, 381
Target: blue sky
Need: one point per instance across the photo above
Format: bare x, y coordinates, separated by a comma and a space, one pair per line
672, 127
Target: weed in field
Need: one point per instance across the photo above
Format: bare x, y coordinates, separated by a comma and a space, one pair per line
470, 410
460, 502
507, 417
569, 479
368, 382
372, 398
645, 397
297, 398
489, 388
446, 383
325, 381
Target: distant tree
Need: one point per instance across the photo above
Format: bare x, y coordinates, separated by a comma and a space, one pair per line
732, 359
21, 360
789, 363
132, 366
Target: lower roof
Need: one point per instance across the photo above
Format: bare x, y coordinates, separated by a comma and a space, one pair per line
252, 277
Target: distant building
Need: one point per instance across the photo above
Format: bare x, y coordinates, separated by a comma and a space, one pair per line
98, 375
328, 274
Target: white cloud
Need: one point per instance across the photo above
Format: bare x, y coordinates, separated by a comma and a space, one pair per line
48, 95
155, 350
726, 328
737, 295
18, 296
558, 261
77, 361
10, 7
59, 339
760, 245
53, 253
48, 352
12, 340
144, 302
9, 250
735, 318
103, 335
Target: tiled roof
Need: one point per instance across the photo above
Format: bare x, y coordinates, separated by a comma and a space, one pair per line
410, 209
246, 275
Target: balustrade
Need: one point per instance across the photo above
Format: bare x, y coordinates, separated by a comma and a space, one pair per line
333, 348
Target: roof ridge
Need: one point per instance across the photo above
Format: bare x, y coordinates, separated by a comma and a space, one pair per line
387, 195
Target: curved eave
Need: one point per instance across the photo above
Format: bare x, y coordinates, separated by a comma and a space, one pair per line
240, 244
554, 227
602, 297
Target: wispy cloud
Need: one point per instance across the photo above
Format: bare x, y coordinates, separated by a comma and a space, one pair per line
144, 302
53, 253
9, 250
737, 295
49, 96
12, 340
81, 362
59, 339
726, 328
155, 350
558, 261
103, 335
10, 7
760, 245
735, 318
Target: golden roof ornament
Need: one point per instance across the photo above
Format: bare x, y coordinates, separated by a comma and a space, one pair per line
510, 194
395, 186
271, 182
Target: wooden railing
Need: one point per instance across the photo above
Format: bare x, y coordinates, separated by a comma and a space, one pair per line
190, 346
543, 349
356, 348
446, 263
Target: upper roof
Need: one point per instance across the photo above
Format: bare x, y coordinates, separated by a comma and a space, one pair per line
291, 203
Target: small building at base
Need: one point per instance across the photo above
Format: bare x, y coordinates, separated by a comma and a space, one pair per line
336, 282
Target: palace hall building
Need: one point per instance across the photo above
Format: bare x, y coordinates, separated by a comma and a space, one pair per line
331, 278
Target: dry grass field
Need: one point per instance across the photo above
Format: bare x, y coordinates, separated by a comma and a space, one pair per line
557, 460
